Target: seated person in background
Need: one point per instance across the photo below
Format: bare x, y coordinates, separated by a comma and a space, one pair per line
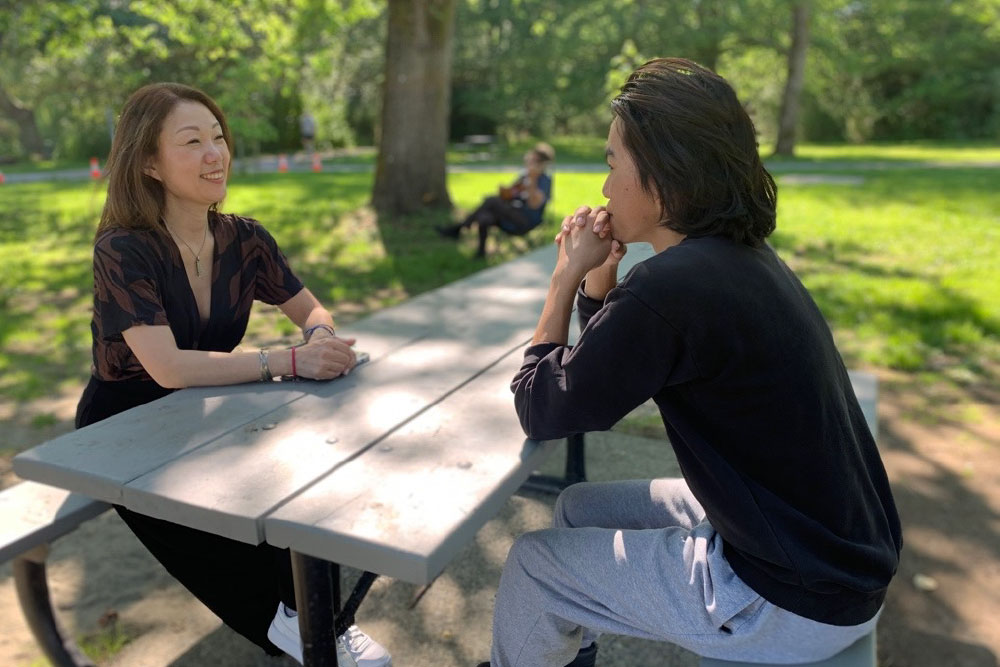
780, 540
516, 209
174, 280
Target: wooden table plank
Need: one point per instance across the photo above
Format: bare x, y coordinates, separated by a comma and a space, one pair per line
229, 484
409, 504
202, 456
99, 459
421, 351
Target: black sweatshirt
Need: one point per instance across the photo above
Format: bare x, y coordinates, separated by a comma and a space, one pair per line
759, 410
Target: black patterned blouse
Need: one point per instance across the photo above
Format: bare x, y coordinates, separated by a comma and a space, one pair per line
139, 278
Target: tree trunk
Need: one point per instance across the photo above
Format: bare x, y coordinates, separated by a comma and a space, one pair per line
708, 47
410, 172
789, 118
31, 138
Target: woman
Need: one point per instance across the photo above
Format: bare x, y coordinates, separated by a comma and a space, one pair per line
517, 208
174, 281
779, 542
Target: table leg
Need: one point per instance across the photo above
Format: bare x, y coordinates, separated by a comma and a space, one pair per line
576, 470
321, 618
317, 593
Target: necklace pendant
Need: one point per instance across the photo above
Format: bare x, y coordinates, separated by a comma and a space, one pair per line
197, 266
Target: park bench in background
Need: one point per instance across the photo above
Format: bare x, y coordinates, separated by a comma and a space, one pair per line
483, 146
33, 515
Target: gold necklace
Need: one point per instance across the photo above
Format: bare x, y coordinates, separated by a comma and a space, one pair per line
197, 255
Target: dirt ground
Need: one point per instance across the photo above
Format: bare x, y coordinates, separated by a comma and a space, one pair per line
941, 448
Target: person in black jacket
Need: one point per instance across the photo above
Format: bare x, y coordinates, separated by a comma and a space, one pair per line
781, 538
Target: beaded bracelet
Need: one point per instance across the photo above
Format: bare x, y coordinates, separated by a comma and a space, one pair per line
309, 332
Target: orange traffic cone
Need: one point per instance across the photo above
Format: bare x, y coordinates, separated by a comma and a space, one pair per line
282, 164
317, 164
95, 171
1, 178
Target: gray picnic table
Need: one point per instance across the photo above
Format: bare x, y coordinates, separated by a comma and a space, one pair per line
391, 470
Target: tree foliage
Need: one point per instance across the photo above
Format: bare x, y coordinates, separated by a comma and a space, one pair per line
875, 69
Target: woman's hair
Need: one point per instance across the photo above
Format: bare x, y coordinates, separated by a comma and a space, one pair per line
135, 199
695, 147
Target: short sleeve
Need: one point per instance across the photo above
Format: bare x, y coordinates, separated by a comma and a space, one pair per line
275, 283
126, 292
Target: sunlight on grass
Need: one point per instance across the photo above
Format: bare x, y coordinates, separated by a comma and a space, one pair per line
917, 151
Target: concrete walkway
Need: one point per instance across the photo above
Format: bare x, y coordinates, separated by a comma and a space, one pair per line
268, 164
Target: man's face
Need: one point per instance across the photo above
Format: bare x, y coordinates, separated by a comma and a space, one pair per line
634, 211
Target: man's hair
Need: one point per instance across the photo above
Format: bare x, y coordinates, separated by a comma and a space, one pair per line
695, 147
135, 199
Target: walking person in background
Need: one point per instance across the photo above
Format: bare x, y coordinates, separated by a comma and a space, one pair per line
517, 208
174, 280
780, 540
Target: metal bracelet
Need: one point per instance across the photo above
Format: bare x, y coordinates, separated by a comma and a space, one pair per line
265, 372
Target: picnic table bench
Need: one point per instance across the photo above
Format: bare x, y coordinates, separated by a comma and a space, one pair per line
390, 470
33, 516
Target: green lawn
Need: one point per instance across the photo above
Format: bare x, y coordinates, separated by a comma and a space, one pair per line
903, 264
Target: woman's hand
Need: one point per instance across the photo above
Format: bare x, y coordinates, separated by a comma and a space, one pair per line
325, 357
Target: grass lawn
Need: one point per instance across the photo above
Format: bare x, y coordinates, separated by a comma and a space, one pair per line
903, 263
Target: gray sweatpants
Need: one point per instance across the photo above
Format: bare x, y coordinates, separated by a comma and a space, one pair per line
639, 558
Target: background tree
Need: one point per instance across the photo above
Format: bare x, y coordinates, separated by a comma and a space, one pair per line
410, 171
873, 70
788, 118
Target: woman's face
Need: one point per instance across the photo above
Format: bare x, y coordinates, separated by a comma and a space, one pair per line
192, 159
635, 213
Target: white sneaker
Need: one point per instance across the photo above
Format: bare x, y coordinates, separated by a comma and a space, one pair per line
365, 651
354, 647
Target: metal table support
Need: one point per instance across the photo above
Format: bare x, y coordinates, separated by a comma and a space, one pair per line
317, 598
33, 594
575, 470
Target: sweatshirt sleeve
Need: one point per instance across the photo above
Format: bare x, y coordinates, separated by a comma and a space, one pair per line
586, 307
625, 355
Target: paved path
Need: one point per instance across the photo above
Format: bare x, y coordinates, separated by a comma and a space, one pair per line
269, 164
